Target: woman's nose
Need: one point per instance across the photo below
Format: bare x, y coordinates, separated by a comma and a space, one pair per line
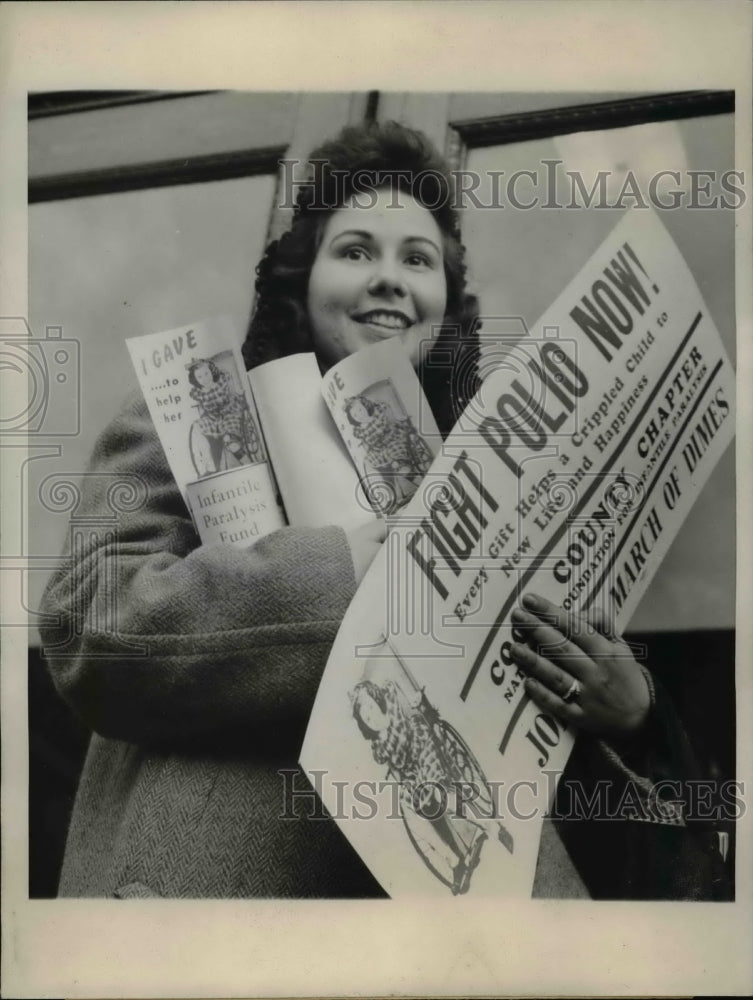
387, 279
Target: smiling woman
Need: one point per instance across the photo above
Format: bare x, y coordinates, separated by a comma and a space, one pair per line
374, 251
197, 726
379, 273
190, 776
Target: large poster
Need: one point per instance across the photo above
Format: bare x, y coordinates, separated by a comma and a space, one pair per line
568, 475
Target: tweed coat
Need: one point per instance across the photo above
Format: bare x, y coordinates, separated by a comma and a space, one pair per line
196, 668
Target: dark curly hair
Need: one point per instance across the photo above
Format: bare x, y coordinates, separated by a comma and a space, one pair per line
377, 695
367, 404
387, 154
197, 364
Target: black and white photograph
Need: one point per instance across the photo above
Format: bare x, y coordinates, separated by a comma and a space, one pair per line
206, 750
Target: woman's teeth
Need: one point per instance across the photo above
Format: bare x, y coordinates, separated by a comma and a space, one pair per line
388, 320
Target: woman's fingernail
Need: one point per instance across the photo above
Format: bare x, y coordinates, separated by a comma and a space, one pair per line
532, 601
518, 635
517, 651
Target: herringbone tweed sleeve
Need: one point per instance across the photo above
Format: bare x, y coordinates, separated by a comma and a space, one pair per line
154, 638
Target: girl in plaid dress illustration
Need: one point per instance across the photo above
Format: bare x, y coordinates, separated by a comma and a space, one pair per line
224, 421
393, 448
430, 760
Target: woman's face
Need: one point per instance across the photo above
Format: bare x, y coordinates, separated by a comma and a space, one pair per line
371, 714
358, 412
203, 375
378, 274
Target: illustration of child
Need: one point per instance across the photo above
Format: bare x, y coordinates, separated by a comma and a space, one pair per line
224, 420
431, 761
393, 449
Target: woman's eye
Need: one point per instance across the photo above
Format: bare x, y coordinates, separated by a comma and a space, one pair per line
355, 253
418, 260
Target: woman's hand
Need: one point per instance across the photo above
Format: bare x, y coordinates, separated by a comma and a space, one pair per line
556, 649
365, 541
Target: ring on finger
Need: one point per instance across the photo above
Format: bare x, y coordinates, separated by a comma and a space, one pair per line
573, 692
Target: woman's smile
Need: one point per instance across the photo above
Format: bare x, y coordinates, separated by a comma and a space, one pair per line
379, 273
388, 321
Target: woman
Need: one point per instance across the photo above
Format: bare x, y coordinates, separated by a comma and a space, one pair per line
224, 419
395, 455
431, 761
199, 689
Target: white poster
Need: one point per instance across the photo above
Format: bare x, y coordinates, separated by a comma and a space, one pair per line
568, 476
